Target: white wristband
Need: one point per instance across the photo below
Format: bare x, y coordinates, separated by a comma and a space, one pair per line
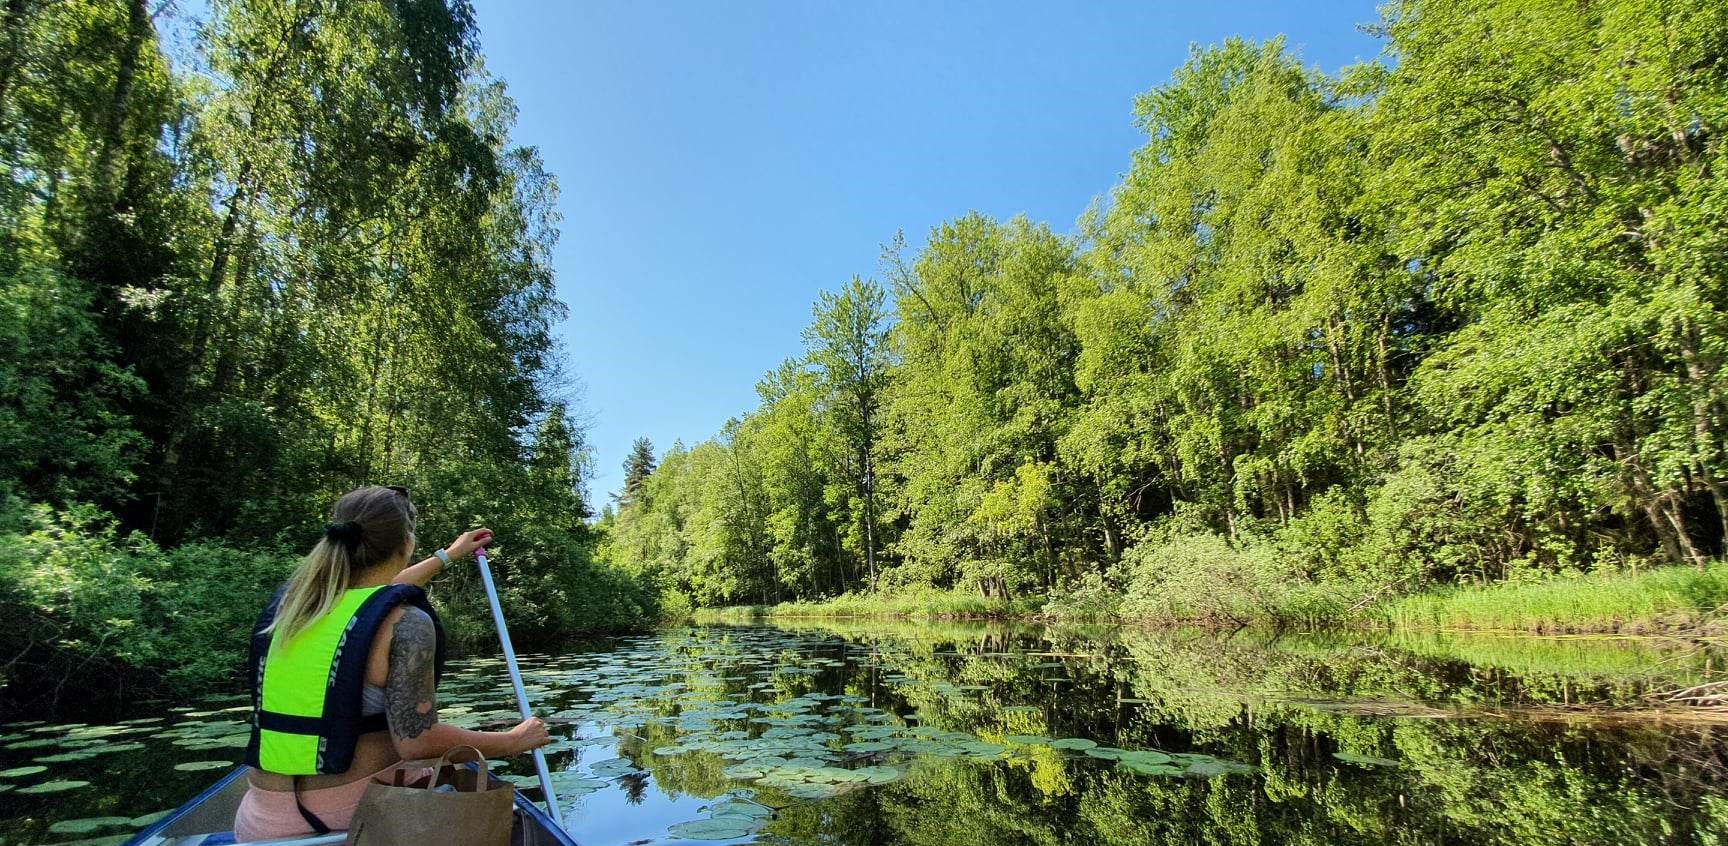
442, 556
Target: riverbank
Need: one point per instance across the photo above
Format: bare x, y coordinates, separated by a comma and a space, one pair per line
1667, 600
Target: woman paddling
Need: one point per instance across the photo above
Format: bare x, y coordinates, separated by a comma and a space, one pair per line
344, 668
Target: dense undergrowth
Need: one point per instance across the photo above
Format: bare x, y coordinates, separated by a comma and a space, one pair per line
94, 613
1667, 600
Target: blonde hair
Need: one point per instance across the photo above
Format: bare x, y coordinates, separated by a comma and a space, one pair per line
368, 527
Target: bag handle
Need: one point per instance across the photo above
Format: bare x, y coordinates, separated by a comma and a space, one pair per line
448, 759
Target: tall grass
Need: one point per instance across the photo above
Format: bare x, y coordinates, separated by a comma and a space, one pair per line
1663, 600
1660, 600
929, 605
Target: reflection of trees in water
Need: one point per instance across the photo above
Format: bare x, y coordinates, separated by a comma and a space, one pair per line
1458, 795
1458, 781
635, 785
1462, 781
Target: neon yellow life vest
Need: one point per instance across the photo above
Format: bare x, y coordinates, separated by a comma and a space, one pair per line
306, 690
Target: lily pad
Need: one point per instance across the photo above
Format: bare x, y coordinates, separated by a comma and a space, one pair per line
149, 819
719, 828
1214, 768
870, 746
1073, 743
20, 772
812, 791
740, 808
59, 786
1364, 760
1143, 768
67, 757
88, 825
879, 775
200, 766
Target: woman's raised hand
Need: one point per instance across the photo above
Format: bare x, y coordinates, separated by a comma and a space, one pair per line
468, 542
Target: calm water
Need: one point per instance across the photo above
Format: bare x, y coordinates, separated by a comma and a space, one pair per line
939, 735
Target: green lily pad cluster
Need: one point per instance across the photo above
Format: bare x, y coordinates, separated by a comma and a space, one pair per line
1364, 760
727, 820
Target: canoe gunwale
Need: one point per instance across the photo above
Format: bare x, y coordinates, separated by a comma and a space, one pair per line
527, 815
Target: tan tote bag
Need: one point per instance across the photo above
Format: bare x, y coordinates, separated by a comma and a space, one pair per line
405, 806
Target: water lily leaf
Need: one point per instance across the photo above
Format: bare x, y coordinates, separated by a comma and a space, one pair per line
1153, 756
1364, 760
149, 819
1028, 739
37, 743
981, 749
727, 828
1073, 743
1149, 769
20, 772
741, 809
88, 824
1107, 753
743, 771
59, 786
66, 757
1214, 768
879, 775
199, 766
571, 781
812, 791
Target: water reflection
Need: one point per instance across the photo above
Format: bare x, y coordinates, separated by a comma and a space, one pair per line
962, 734
1398, 740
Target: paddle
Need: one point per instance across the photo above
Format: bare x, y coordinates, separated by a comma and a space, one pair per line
516, 682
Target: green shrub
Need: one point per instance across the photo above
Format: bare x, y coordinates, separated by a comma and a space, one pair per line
1090, 599
1205, 578
89, 608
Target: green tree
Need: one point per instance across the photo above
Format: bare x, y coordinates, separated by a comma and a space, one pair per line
638, 466
847, 343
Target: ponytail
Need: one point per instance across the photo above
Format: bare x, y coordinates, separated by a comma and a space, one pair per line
376, 522
315, 586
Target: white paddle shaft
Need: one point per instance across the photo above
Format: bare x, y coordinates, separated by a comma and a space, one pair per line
516, 682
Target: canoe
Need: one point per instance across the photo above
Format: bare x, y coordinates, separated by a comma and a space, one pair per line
208, 818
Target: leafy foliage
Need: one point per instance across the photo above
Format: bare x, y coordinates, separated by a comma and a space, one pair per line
1456, 316
301, 256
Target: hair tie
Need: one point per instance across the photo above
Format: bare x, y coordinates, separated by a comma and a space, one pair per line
347, 534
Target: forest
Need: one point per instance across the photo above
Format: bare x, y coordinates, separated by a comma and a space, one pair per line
249, 260
1338, 340
1454, 316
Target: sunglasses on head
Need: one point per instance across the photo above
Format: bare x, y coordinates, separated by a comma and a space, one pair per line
413, 513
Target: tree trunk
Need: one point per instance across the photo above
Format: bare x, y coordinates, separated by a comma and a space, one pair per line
227, 361
12, 27
1706, 444
108, 158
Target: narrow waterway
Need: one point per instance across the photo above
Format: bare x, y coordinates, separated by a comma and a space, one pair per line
953, 734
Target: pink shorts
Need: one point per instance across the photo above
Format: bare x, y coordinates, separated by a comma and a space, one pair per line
268, 814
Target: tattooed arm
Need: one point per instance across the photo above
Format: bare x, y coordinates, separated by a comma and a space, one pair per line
411, 701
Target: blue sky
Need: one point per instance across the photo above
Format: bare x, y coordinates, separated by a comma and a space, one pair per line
722, 162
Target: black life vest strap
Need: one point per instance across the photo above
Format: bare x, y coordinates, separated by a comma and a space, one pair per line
295, 724
318, 826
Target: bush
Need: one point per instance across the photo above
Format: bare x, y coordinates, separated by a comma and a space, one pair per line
1091, 599
92, 610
